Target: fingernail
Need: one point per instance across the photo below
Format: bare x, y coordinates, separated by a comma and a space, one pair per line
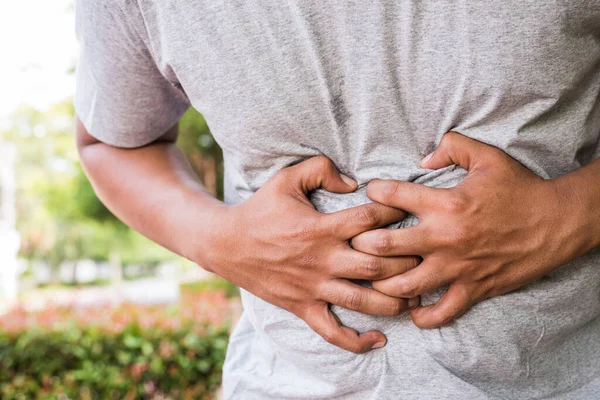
426, 159
349, 181
414, 302
378, 345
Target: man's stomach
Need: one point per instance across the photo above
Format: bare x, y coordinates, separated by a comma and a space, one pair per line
539, 340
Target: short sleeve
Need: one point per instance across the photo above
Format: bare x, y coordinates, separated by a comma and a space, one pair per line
121, 96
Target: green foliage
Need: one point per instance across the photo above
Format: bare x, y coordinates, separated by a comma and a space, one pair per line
132, 364
59, 217
194, 134
195, 139
88, 205
215, 284
115, 351
95, 282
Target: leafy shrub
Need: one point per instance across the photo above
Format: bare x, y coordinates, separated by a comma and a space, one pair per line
115, 352
213, 284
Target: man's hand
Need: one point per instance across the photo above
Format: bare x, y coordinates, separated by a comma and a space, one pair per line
499, 229
278, 247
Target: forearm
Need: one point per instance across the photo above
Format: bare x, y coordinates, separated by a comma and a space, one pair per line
153, 190
580, 193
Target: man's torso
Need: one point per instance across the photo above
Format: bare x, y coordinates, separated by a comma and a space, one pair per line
373, 86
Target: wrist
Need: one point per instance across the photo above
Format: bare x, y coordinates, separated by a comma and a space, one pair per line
207, 224
578, 213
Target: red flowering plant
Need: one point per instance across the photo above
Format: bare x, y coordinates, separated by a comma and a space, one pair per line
113, 351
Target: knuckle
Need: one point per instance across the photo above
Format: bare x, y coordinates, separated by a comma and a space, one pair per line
283, 176
329, 335
443, 318
496, 154
373, 268
383, 243
326, 292
412, 262
457, 203
448, 139
407, 289
310, 263
460, 237
396, 307
300, 310
450, 135
336, 267
367, 216
322, 165
324, 226
489, 288
308, 227
353, 300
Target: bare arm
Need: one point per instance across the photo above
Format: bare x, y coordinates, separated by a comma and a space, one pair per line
153, 189
275, 244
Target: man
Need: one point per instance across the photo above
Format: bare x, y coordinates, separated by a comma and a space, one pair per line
295, 93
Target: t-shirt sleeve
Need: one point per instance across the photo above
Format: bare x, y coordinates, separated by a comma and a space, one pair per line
121, 96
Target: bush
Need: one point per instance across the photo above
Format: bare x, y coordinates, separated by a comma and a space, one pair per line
115, 352
216, 284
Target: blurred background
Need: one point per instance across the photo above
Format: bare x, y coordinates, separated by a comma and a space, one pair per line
89, 309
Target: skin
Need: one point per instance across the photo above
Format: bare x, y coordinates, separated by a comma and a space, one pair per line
499, 229
275, 244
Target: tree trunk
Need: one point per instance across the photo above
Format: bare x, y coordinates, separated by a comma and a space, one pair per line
74, 274
54, 273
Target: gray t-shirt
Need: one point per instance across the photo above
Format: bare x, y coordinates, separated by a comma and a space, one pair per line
373, 85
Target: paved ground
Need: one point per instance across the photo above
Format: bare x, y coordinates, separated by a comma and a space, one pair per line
156, 290
143, 291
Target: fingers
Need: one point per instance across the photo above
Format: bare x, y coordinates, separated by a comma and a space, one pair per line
318, 172
412, 197
426, 277
455, 302
351, 264
353, 221
457, 149
365, 300
394, 242
326, 324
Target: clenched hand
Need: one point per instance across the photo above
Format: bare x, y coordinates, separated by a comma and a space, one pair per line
278, 247
499, 229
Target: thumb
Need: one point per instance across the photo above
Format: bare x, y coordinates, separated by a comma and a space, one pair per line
319, 172
457, 149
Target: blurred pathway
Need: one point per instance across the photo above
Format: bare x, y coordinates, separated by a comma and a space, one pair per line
143, 291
